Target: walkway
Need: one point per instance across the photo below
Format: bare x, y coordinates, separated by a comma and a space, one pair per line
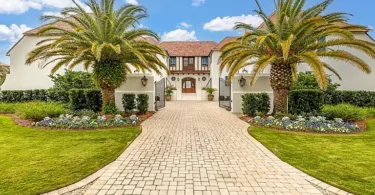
199, 148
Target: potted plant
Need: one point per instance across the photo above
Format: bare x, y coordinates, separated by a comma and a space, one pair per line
168, 92
210, 92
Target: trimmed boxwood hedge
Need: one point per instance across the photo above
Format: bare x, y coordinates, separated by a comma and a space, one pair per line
142, 103
255, 102
306, 101
128, 101
90, 99
356, 98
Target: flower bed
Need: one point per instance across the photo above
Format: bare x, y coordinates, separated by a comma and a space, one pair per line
69, 122
314, 124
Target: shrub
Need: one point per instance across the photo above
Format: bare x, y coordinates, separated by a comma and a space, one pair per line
39, 110
77, 99
72, 80
306, 101
9, 96
27, 95
345, 111
128, 101
142, 103
110, 108
8, 108
40, 95
58, 96
308, 81
356, 98
90, 99
93, 100
255, 102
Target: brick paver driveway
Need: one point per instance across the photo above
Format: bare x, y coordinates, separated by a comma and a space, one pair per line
198, 148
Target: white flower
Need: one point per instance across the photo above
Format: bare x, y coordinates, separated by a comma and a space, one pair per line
285, 118
339, 120
271, 118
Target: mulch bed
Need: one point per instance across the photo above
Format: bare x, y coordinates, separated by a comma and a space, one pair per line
361, 124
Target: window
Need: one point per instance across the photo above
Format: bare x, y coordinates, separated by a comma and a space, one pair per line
204, 61
322, 40
172, 61
188, 61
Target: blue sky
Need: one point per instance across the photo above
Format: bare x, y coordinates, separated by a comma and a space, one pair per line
204, 20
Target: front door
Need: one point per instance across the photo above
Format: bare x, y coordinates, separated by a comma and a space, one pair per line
188, 85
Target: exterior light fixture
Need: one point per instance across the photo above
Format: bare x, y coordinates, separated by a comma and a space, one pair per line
242, 81
244, 71
144, 81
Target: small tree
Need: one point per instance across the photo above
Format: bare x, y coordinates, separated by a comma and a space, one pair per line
72, 80
308, 81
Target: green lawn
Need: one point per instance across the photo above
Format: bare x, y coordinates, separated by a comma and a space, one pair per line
345, 161
34, 161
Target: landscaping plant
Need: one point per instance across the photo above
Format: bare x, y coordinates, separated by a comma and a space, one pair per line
253, 103
142, 103
38, 110
128, 101
168, 92
102, 39
210, 92
347, 112
295, 35
72, 80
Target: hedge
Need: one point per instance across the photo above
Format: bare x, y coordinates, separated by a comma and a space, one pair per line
90, 99
142, 103
306, 101
128, 101
44, 95
356, 98
255, 102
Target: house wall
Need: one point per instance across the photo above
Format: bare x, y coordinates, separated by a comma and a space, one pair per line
260, 86
352, 77
197, 64
32, 76
133, 85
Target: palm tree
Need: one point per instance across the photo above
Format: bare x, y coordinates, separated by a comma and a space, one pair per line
105, 41
294, 37
4, 70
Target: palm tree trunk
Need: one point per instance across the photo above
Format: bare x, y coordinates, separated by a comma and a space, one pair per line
281, 81
108, 96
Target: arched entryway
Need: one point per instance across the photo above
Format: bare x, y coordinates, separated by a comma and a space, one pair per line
188, 85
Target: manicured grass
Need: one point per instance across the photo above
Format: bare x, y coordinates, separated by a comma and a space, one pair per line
345, 161
33, 161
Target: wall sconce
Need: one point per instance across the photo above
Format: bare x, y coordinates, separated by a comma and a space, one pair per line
144, 81
178, 79
242, 81
244, 71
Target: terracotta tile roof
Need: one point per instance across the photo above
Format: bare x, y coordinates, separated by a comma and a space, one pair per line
223, 42
62, 25
188, 48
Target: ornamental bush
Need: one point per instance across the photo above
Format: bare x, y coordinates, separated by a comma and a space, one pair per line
12, 96
356, 98
38, 110
255, 102
142, 103
128, 101
90, 99
306, 101
347, 112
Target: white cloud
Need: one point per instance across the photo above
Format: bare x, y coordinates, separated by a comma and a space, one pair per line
197, 3
227, 23
12, 33
185, 25
22, 6
179, 35
134, 2
51, 14
371, 27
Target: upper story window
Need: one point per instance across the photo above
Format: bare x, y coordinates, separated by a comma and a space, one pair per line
188, 61
205, 61
172, 61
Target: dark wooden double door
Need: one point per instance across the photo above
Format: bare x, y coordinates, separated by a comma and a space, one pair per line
188, 85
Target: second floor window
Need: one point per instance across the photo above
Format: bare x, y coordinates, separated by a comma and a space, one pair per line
172, 61
205, 61
188, 61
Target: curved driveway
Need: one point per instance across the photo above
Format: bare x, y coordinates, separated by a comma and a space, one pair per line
199, 148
